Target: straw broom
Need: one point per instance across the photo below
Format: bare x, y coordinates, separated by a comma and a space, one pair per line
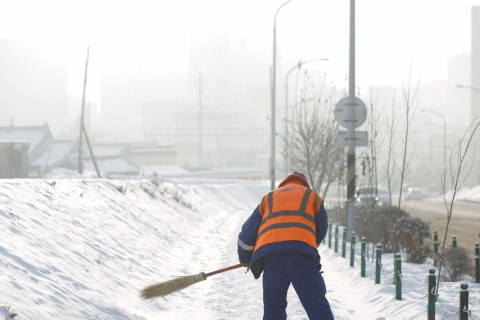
165, 288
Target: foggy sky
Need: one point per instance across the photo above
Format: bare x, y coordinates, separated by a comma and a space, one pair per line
392, 37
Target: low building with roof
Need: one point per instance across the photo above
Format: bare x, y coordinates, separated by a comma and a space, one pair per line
38, 139
13, 159
42, 153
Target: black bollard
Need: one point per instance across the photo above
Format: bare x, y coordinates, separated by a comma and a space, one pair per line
378, 263
463, 312
432, 280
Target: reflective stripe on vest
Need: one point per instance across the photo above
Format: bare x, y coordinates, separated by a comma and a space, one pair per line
289, 216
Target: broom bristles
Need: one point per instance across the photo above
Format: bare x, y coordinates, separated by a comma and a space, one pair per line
165, 288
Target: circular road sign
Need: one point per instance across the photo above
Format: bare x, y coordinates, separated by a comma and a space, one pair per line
345, 118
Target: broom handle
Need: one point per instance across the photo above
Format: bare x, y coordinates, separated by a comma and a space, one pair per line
226, 269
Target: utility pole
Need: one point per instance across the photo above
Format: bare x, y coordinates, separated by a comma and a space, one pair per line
351, 128
273, 99
83, 131
80, 141
200, 83
351, 112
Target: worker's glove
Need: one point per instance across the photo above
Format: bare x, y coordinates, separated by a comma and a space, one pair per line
244, 256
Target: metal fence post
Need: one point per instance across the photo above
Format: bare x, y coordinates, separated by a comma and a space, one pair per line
395, 257
363, 256
435, 247
344, 242
378, 263
463, 312
477, 262
432, 279
398, 277
336, 238
454, 242
330, 234
352, 249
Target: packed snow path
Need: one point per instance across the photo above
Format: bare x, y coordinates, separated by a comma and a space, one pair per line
82, 249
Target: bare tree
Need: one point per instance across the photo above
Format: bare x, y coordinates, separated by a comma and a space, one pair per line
392, 123
457, 171
409, 96
313, 145
409, 108
369, 160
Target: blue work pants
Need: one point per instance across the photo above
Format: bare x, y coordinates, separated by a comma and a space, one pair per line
302, 271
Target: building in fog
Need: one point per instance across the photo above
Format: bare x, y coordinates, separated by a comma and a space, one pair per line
457, 109
34, 140
475, 90
215, 115
33, 87
13, 159
475, 67
231, 102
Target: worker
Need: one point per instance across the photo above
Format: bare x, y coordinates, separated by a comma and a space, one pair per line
280, 239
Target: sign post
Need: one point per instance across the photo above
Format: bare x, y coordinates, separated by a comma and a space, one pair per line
350, 113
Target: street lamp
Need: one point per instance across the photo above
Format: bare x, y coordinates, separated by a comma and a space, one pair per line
474, 113
297, 66
274, 82
444, 135
468, 87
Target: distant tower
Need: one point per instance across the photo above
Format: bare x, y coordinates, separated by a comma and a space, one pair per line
475, 75
458, 101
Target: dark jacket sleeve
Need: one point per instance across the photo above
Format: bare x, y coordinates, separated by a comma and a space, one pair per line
321, 222
248, 237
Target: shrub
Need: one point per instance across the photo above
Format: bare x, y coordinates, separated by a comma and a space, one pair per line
337, 215
392, 227
378, 225
363, 223
456, 262
413, 231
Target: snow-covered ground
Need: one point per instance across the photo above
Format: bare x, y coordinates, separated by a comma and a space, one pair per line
82, 249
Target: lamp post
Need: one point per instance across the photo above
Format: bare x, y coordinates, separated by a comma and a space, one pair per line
468, 87
298, 66
273, 106
473, 113
444, 136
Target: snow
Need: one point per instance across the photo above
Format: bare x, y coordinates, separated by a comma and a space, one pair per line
469, 194
84, 248
163, 170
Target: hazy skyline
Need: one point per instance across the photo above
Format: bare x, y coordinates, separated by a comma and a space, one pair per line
151, 36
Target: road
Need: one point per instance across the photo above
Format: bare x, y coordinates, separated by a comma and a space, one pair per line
465, 222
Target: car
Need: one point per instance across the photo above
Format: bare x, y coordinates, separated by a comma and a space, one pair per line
366, 196
414, 194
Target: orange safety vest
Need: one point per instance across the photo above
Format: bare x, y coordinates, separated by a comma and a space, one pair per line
288, 215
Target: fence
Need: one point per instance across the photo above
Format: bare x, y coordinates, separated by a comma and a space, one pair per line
476, 257
463, 312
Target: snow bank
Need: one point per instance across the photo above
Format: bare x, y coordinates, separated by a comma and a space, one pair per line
82, 249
